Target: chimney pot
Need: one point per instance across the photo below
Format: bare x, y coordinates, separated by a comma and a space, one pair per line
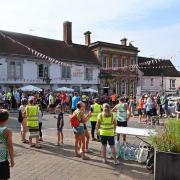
67, 32
87, 35
124, 42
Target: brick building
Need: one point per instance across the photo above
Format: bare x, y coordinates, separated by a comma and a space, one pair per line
116, 75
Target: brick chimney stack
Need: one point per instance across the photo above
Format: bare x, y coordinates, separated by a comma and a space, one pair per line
67, 32
124, 42
87, 35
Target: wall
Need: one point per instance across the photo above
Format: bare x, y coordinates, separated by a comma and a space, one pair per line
30, 74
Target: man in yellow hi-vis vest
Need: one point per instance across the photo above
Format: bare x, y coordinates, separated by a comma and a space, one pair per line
95, 109
32, 113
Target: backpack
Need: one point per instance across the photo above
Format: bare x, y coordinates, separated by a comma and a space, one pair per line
20, 117
74, 120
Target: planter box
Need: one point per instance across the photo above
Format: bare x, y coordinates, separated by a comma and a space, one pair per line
167, 166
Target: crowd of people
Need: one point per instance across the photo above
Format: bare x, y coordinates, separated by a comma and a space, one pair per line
105, 113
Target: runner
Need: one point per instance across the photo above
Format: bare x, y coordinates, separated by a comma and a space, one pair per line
79, 131
32, 112
60, 125
106, 124
140, 108
95, 109
24, 128
74, 102
6, 146
122, 116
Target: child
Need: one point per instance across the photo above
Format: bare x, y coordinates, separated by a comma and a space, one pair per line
6, 146
40, 122
60, 125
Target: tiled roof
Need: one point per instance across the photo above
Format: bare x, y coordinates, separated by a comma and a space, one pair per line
112, 45
53, 48
163, 69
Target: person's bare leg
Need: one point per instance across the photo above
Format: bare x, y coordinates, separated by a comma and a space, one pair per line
83, 147
87, 139
118, 137
76, 145
58, 137
62, 138
30, 142
104, 153
124, 138
113, 150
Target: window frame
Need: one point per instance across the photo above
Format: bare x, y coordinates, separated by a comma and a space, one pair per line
172, 84
107, 61
113, 59
88, 78
66, 77
13, 72
43, 70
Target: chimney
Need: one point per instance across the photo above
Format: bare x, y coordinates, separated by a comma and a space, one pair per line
124, 42
87, 35
67, 32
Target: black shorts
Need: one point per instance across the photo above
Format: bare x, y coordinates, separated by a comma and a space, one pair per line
122, 124
4, 170
140, 112
109, 139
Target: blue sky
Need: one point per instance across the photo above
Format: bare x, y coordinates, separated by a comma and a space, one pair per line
154, 25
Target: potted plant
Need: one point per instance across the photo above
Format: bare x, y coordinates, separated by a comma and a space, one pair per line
167, 151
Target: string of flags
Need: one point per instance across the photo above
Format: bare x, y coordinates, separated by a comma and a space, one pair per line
40, 55
34, 52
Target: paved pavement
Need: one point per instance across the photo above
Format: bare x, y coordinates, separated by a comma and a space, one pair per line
58, 163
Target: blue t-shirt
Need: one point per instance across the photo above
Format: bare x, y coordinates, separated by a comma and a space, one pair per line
74, 102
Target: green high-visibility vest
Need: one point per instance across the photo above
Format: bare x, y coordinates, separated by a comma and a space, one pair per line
96, 110
32, 116
106, 125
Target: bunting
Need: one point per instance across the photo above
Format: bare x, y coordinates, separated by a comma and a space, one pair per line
35, 52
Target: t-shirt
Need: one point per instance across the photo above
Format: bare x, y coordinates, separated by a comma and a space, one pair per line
60, 120
51, 99
63, 97
121, 115
113, 97
74, 102
141, 104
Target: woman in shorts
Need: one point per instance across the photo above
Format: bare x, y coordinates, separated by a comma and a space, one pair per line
79, 131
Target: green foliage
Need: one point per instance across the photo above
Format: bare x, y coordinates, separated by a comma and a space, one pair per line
168, 138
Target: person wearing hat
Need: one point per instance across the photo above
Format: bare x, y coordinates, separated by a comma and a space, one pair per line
95, 109
32, 113
123, 115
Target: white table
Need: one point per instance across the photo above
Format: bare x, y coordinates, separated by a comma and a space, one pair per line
138, 132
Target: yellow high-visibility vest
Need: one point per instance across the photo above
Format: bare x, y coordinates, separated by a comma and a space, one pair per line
106, 125
32, 113
84, 98
96, 110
